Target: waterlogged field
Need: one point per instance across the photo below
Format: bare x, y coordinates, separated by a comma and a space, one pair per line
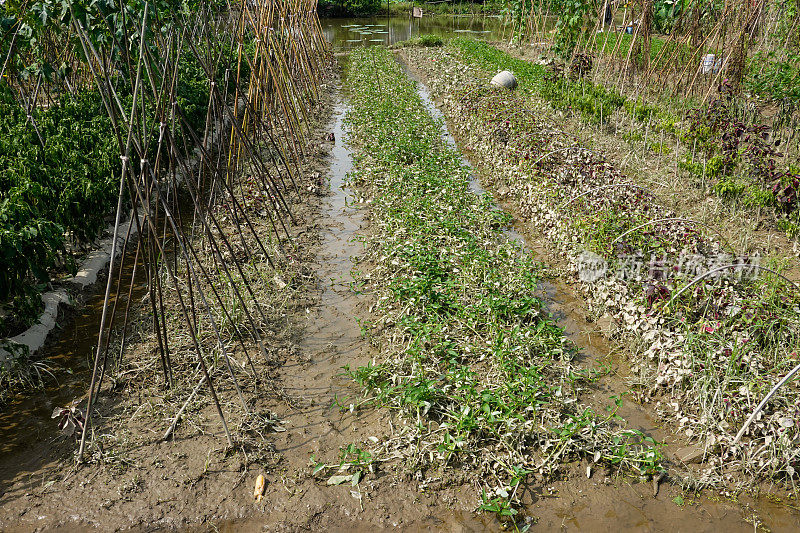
349, 326
705, 345
482, 380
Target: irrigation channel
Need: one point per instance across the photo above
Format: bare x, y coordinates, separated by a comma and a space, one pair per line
313, 421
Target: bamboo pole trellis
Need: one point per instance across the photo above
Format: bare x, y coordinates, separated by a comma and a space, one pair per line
263, 64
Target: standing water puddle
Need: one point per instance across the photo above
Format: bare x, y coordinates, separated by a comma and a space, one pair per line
332, 336
27, 431
351, 32
333, 326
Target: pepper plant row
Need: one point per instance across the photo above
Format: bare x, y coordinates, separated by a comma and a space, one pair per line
59, 174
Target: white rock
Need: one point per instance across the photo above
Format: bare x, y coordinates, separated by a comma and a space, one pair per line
505, 79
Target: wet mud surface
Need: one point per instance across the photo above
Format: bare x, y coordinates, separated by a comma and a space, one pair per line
193, 483
319, 420
27, 431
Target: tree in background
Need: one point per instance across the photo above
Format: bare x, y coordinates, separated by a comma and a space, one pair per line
573, 17
340, 8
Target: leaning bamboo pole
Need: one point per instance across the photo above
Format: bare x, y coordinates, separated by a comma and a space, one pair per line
183, 253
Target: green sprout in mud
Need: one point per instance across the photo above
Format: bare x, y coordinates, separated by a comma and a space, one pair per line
503, 503
499, 505
354, 463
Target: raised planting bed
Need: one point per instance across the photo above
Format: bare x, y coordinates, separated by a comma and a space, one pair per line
703, 353
484, 384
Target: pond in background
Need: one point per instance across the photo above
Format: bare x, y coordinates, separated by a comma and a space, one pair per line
355, 32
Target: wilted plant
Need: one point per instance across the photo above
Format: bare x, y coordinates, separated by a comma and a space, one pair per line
70, 420
581, 66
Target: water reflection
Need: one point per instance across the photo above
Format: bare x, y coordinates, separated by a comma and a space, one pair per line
26, 430
355, 32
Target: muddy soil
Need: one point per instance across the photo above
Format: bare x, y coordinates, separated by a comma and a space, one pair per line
195, 483
318, 414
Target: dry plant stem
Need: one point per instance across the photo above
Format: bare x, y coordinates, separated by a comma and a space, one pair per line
193, 333
117, 292
761, 405
672, 219
90, 400
613, 185
256, 123
729, 267
178, 415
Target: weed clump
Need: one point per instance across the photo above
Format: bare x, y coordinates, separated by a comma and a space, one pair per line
431, 40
